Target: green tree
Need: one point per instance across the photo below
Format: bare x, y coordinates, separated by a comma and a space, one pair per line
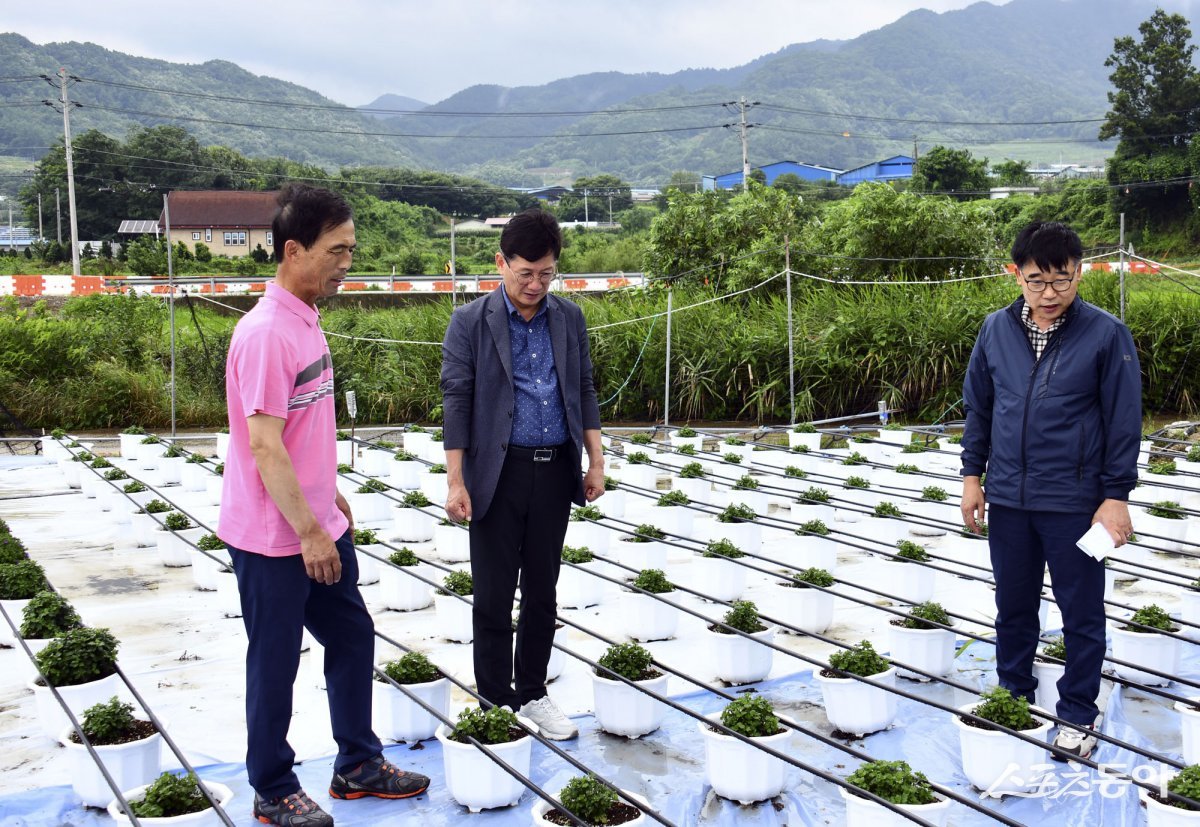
203, 253
260, 255
106, 250
147, 256
1154, 110
182, 253
942, 169
602, 192
1012, 173
789, 182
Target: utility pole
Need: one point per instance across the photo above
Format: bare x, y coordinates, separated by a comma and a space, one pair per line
10, 230
745, 145
39, 216
58, 214
66, 110
453, 267
585, 208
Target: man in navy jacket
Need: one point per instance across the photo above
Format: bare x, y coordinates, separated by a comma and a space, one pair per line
519, 409
1053, 415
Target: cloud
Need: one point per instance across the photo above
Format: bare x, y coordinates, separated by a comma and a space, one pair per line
355, 50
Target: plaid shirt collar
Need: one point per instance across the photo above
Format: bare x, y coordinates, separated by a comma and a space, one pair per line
1039, 338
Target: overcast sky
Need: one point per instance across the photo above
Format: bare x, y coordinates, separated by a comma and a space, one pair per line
355, 50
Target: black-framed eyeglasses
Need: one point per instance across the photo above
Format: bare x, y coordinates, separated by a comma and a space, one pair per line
1059, 285
526, 276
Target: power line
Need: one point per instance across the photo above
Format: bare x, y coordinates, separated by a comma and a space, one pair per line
934, 121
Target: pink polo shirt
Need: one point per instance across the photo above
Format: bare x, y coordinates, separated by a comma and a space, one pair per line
279, 365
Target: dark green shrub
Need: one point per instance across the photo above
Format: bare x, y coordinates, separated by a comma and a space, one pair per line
156, 507
173, 452
12, 550
134, 430
812, 577
645, 533
404, 456
886, 509
403, 557
1162, 466
638, 458
629, 660
743, 616
177, 522
934, 494
114, 474
414, 499
855, 458
861, 660
496, 726
345, 468
686, 432
928, 611
210, 542
795, 473
804, 428
653, 581
1186, 784
737, 513
746, 483
589, 798
457, 582
365, 537
857, 482
196, 459
372, 486
150, 440
610, 484
1167, 509
893, 781
908, 550
587, 512
47, 615
732, 458
437, 468
80, 655
814, 495
111, 722
171, 795
692, 471
1151, 616
752, 716
1056, 648
578, 556
134, 487
641, 439
999, 706
21, 580
723, 548
816, 527
101, 462
905, 468
672, 498
412, 667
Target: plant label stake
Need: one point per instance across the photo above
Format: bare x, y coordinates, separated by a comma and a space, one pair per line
352, 410
883, 412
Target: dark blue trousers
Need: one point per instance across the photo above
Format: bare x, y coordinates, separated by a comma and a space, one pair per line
279, 600
1022, 544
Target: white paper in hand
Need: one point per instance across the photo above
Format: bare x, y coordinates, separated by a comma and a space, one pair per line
1097, 542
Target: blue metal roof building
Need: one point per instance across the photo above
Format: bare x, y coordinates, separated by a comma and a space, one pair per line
806, 172
889, 169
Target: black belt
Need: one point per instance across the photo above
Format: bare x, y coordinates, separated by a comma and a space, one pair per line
533, 454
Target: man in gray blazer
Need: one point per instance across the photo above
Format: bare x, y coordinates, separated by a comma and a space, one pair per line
519, 409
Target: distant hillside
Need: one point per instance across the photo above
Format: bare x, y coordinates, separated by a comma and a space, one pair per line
1028, 60
391, 104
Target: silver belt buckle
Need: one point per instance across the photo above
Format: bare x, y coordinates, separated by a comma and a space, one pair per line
543, 454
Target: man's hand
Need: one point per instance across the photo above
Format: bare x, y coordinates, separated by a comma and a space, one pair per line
593, 483
321, 559
344, 507
1114, 516
973, 503
458, 503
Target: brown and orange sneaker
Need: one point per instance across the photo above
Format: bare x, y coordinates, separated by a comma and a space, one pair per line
377, 777
295, 810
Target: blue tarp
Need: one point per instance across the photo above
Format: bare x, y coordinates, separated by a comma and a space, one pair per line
667, 767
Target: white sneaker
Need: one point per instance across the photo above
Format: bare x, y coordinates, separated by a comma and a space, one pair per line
549, 718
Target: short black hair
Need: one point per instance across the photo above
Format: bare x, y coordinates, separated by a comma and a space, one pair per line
304, 213
1051, 245
531, 235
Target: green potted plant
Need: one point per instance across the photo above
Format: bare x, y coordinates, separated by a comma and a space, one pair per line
643, 549
434, 482
45, 616
920, 641
148, 521
171, 799
738, 659
614, 499
816, 548
637, 471
452, 541
176, 539
129, 747
744, 491
718, 577
898, 783
1166, 523
578, 587
853, 706
19, 582
1141, 642
405, 472
585, 529
1168, 810
993, 760
741, 771
646, 616
410, 523
809, 606
368, 502
82, 665
474, 780
804, 435
673, 514
398, 715
622, 709
686, 436
910, 580
129, 440
1048, 666
592, 801
401, 588
737, 523
208, 559
454, 613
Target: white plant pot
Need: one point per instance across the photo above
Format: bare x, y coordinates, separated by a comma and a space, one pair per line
697, 489
193, 476
400, 718
613, 504
170, 469
675, 520
206, 570
130, 765
806, 609
807, 512
347, 453
1154, 651
52, 719
595, 537
997, 763
883, 530
910, 582
368, 566
740, 660
15, 609
435, 486
859, 708
930, 650
370, 508
1047, 674
1164, 815
228, 597
174, 548
648, 618
756, 500
146, 527
558, 658
809, 551
627, 711
1171, 532
810, 441
213, 485
478, 783
148, 455
863, 812
405, 474
129, 444
641, 556
220, 792
222, 446
412, 525
718, 578
639, 476
453, 543
739, 771
1189, 722
453, 618
435, 453
577, 587
940, 517
91, 484
1189, 610
375, 463
400, 591
70, 471
893, 437
416, 442
678, 441
746, 536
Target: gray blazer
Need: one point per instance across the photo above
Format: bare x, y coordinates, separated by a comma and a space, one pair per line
477, 388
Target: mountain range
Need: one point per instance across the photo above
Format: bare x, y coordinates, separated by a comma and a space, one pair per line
984, 77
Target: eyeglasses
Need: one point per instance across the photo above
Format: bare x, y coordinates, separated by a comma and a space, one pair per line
526, 276
1059, 285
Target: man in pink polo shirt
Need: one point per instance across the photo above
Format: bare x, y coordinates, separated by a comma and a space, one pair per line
289, 530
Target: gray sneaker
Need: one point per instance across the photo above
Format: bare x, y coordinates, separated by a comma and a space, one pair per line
1079, 742
549, 718
295, 810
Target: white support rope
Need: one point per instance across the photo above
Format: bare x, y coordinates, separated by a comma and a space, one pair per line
1160, 265
689, 306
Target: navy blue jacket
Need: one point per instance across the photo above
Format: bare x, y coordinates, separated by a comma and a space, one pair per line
1060, 434
477, 388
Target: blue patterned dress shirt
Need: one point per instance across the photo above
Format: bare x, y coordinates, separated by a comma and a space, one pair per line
539, 418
